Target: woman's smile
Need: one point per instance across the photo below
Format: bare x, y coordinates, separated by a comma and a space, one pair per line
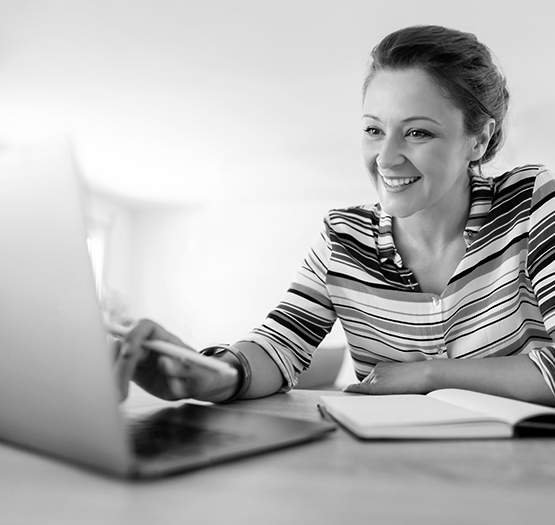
398, 183
415, 146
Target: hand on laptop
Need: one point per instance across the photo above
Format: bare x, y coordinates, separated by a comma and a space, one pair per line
166, 377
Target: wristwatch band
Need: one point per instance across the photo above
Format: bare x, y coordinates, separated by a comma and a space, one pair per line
244, 368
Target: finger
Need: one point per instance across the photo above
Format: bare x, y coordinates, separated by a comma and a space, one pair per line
122, 372
132, 352
146, 329
142, 331
369, 378
115, 348
115, 351
359, 388
176, 381
126, 364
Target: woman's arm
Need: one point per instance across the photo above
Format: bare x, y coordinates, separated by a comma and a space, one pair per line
263, 379
169, 378
516, 377
266, 377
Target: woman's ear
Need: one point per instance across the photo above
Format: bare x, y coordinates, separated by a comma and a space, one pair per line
481, 140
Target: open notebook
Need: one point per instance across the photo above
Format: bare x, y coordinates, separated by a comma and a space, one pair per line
56, 384
442, 414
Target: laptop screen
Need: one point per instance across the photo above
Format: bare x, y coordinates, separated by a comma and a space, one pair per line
56, 385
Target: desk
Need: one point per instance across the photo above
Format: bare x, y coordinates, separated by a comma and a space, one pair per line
332, 481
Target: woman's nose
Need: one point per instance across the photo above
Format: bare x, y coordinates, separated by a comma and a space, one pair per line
390, 155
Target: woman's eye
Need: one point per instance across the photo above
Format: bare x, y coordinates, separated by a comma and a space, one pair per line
369, 130
419, 134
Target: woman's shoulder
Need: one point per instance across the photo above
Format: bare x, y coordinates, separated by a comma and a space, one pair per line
526, 183
521, 177
356, 230
361, 216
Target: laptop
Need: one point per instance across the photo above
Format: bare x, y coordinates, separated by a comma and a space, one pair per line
57, 391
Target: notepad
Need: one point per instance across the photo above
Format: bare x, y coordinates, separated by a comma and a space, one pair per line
442, 414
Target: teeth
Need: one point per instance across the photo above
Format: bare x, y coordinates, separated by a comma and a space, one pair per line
395, 183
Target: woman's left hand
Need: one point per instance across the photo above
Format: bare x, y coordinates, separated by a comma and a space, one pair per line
395, 378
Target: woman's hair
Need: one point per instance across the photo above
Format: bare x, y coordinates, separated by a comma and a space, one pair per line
463, 68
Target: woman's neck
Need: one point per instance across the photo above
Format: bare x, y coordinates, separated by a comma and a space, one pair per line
434, 229
431, 243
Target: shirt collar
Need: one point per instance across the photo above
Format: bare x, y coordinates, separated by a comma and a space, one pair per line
481, 195
386, 245
480, 206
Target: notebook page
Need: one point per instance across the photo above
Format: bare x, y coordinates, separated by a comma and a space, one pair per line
398, 410
509, 410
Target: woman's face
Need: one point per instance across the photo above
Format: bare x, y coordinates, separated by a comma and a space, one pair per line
414, 144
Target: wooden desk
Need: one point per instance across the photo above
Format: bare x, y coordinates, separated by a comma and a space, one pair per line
333, 481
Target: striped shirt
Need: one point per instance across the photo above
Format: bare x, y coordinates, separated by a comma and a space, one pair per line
499, 302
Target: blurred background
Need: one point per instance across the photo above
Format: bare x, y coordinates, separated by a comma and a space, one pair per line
213, 135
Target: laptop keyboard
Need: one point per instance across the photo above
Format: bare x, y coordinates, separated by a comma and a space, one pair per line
170, 433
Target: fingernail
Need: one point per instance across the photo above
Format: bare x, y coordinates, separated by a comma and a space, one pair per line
124, 351
177, 387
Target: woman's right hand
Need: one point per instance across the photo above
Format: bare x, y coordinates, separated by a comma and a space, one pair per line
163, 376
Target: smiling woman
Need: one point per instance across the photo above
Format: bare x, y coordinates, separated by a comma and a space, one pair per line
415, 147
418, 153
446, 269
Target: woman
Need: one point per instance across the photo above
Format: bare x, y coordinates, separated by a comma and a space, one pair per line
447, 269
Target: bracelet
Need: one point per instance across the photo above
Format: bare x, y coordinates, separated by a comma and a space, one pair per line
244, 368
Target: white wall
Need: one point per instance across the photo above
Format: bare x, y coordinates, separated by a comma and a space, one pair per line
116, 221
192, 100
211, 273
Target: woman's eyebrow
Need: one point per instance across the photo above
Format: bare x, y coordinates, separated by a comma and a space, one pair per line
409, 119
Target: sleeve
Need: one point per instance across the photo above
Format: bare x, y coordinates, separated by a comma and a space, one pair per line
294, 329
541, 266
